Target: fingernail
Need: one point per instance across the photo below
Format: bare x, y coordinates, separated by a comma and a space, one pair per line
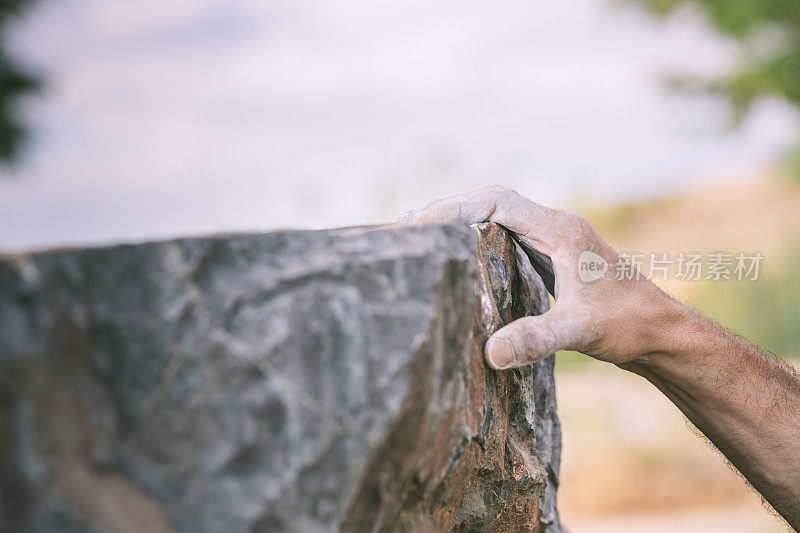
500, 353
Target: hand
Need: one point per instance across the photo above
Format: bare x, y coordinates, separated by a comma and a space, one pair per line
620, 321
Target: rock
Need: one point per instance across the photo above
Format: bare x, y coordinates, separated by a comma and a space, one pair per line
292, 381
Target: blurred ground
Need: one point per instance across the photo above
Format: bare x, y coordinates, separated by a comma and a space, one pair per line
631, 462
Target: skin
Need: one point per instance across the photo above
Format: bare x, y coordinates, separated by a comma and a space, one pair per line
747, 402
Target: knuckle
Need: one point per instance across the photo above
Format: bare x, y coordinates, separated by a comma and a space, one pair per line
581, 224
575, 218
498, 191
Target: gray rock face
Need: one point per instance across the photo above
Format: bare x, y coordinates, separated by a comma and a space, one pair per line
294, 381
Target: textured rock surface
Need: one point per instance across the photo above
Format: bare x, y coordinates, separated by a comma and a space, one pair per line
299, 381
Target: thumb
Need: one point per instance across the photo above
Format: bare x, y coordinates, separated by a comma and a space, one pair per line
533, 338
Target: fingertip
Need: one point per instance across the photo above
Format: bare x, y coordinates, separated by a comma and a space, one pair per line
523, 342
500, 353
420, 216
406, 218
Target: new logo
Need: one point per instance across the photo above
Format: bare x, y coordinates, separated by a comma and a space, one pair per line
591, 266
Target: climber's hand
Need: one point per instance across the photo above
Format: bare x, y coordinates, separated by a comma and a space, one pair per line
611, 319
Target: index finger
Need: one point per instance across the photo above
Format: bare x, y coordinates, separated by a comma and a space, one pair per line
493, 203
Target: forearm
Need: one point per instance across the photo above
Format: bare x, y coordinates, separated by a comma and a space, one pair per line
746, 402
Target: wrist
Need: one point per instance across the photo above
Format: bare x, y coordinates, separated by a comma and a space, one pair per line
688, 343
676, 331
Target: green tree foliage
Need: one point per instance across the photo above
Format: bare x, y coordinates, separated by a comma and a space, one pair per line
768, 33
15, 82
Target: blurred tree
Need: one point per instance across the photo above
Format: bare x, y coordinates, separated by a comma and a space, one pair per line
15, 82
768, 32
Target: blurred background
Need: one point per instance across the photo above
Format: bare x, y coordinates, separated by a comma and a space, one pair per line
671, 124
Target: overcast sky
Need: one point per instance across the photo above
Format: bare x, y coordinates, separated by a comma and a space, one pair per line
181, 117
